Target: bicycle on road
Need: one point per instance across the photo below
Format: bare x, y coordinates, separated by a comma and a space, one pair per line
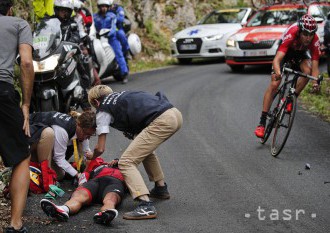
281, 115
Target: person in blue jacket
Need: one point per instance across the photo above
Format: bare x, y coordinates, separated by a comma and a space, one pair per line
121, 36
106, 19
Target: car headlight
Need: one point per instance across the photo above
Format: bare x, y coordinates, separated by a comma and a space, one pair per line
231, 42
48, 64
174, 40
214, 37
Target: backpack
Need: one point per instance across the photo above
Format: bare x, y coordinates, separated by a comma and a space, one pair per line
41, 176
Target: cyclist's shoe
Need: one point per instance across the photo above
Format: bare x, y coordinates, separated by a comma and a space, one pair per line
54, 211
160, 192
105, 217
145, 210
260, 131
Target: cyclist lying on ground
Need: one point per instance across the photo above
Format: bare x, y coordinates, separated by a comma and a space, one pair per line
301, 45
100, 183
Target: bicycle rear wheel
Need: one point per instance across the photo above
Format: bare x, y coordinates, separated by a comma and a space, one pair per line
283, 125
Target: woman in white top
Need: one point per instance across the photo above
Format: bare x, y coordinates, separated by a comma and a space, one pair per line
52, 135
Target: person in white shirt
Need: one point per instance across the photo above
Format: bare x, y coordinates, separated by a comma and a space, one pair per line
52, 136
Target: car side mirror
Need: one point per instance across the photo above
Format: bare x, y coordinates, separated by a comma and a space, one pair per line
243, 24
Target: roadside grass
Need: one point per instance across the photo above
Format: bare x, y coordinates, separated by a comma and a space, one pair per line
318, 103
140, 65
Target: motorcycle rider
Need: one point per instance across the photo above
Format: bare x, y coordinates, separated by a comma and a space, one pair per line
82, 21
120, 13
105, 19
63, 10
85, 14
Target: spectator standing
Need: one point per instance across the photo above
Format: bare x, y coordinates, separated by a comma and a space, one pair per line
15, 36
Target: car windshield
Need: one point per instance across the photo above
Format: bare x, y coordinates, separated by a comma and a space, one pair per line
224, 16
46, 37
276, 17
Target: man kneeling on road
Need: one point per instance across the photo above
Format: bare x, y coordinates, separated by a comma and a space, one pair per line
100, 183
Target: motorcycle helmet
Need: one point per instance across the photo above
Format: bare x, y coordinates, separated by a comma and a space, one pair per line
66, 5
307, 23
134, 43
103, 2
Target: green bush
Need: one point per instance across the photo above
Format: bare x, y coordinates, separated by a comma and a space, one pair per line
170, 10
318, 103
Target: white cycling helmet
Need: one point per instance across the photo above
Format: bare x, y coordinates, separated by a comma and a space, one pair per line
103, 2
64, 4
134, 43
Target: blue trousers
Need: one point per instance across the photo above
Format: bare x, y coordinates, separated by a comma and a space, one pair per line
121, 36
115, 44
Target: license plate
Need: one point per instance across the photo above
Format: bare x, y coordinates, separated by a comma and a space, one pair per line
188, 47
255, 53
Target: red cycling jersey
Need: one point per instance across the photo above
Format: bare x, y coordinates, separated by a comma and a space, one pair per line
290, 41
98, 168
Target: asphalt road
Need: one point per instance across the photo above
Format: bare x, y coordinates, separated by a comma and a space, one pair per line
221, 179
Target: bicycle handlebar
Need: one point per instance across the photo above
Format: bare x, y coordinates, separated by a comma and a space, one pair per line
304, 75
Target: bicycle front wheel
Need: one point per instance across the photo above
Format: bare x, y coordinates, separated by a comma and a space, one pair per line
272, 117
283, 125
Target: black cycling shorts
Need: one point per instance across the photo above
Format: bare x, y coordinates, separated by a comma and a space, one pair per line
99, 187
295, 58
14, 146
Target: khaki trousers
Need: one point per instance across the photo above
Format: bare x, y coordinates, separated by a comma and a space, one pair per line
43, 149
142, 150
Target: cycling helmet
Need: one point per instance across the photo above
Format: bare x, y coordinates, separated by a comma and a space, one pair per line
103, 2
307, 23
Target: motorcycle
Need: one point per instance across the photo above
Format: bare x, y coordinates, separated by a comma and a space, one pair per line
104, 56
57, 81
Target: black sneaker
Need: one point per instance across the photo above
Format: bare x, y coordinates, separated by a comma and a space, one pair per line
12, 230
125, 79
53, 211
105, 217
145, 210
160, 192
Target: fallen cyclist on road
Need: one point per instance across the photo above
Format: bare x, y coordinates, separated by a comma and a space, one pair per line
101, 183
301, 45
